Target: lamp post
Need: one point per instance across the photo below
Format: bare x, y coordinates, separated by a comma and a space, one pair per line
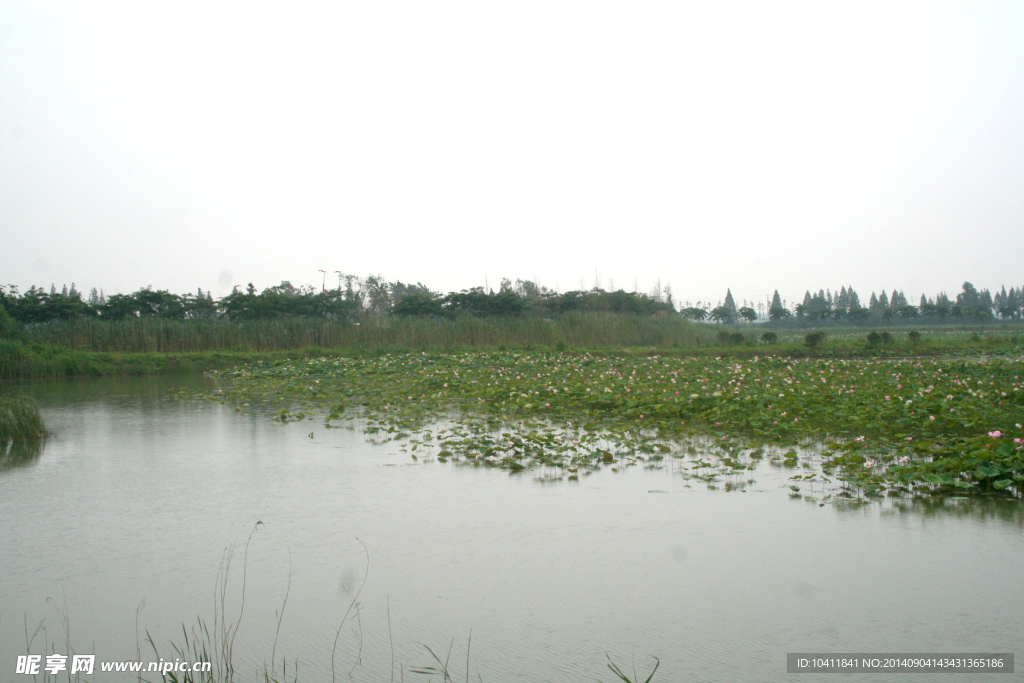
323, 283
339, 279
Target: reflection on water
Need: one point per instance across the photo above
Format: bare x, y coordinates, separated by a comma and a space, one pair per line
979, 508
135, 497
20, 453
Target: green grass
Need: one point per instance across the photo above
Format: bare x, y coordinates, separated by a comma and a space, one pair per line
19, 419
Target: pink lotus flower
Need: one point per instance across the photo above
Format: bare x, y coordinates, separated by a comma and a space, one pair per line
1018, 441
888, 398
996, 434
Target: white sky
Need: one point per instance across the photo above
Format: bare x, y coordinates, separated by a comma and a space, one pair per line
746, 145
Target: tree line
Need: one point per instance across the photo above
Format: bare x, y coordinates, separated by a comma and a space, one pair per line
354, 297
844, 306
357, 297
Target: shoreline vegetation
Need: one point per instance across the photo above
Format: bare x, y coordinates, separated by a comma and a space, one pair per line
63, 333
21, 361
270, 343
143, 346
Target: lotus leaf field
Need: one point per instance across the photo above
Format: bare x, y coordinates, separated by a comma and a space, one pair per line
916, 426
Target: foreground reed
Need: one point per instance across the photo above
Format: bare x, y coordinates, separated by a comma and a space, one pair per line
20, 419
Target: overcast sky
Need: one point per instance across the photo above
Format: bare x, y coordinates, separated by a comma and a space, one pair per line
746, 145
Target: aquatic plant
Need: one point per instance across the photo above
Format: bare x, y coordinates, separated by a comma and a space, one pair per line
20, 419
911, 424
623, 677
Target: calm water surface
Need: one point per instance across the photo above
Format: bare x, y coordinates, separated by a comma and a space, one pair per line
136, 498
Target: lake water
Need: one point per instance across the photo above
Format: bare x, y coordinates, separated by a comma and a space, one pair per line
136, 496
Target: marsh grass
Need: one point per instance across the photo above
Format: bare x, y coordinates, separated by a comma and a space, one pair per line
20, 419
154, 335
157, 346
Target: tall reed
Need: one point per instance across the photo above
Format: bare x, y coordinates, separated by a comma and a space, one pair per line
19, 419
154, 335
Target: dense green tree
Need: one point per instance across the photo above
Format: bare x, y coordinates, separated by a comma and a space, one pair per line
418, 304
723, 314
37, 306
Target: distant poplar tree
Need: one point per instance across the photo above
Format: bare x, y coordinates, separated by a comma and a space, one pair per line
842, 300
776, 301
729, 302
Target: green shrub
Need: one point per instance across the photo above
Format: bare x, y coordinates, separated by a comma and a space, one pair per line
814, 339
769, 337
730, 337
